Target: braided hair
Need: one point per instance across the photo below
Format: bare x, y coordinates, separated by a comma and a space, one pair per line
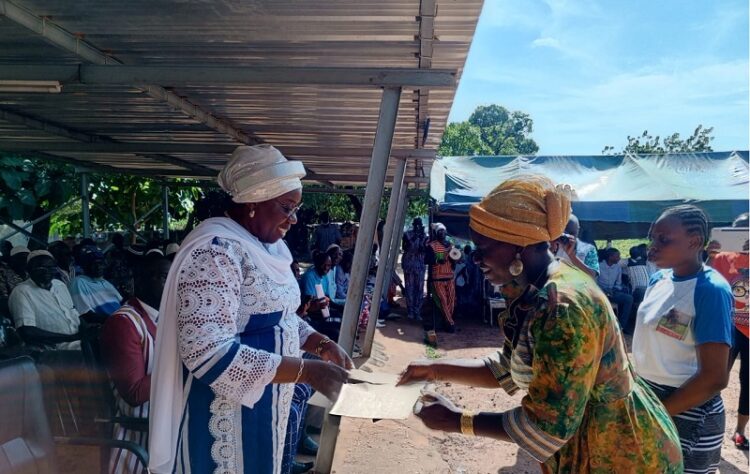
692, 218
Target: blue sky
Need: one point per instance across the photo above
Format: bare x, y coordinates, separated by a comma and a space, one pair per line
590, 72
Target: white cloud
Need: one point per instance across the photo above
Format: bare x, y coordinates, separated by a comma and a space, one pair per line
584, 119
546, 42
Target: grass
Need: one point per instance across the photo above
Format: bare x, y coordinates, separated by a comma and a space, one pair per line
431, 352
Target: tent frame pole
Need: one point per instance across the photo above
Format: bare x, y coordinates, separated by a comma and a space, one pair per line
85, 205
381, 151
385, 255
165, 211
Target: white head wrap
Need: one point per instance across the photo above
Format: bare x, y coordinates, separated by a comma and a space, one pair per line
18, 249
172, 248
259, 173
439, 226
39, 253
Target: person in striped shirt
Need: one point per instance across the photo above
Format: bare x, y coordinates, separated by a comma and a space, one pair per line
127, 345
683, 335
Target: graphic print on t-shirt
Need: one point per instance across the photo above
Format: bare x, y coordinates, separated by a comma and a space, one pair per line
674, 324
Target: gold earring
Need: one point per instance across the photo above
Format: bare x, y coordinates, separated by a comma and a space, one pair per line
516, 267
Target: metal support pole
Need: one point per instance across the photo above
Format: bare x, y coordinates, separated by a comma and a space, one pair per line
112, 216
37, 220
397, 234
381, 151
382, 279
85, 204
23, 231
165, 211
147, 215
370, 208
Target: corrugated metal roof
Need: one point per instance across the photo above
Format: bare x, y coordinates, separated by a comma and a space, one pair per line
268, 33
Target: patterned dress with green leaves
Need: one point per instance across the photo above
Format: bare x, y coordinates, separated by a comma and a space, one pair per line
585, 410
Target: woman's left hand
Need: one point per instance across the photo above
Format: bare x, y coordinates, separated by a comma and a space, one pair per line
439, 413
333, 353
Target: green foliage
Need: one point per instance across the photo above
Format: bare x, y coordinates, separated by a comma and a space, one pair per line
418, 206
27, 185
646, 144
30, 188
490, 130
623, 245
128, 198
431, 352
339, 206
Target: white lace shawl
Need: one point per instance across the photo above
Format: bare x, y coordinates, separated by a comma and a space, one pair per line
193, 331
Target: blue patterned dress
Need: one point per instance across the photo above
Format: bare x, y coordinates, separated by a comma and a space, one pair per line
234, 325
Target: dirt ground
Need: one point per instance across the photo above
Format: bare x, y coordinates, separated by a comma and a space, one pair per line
408, 447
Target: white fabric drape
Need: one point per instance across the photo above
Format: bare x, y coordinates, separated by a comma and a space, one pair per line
166, 402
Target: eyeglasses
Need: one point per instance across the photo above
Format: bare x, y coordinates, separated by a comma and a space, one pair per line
290, 211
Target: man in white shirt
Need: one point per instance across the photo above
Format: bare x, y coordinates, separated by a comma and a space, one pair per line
610, 281
42, 308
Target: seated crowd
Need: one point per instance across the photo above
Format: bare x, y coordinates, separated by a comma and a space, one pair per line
58, 297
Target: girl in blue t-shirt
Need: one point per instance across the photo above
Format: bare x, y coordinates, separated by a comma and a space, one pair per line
683, 334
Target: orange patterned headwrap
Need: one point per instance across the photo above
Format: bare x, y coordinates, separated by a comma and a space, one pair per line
523, 211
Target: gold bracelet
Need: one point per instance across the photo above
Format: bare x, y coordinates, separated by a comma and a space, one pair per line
322, 343
467, 422
299, 372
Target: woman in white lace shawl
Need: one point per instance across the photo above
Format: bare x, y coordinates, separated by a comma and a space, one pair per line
229, 341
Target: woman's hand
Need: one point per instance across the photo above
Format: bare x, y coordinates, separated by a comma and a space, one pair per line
418, 371
438, 413
325, 377
333, 353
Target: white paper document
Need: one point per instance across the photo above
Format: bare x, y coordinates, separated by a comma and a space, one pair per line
377, 378
378, 402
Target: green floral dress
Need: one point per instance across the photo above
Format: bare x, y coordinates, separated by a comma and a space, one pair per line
584, 410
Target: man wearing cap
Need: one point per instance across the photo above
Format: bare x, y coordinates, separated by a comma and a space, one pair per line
118, 268
11, 275
171, 251
42, 308
91, 292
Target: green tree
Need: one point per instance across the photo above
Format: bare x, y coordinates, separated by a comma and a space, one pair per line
30, 189
490, 130
646, 144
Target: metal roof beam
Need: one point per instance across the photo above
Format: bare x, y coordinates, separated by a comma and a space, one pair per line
427, 13
185, 75
87, 138
320, 178
62, 38
80, 165
147, 148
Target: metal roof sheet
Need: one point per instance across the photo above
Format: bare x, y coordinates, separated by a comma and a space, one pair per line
305, 118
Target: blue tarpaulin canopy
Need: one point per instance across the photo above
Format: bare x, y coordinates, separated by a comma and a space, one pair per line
618, 195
